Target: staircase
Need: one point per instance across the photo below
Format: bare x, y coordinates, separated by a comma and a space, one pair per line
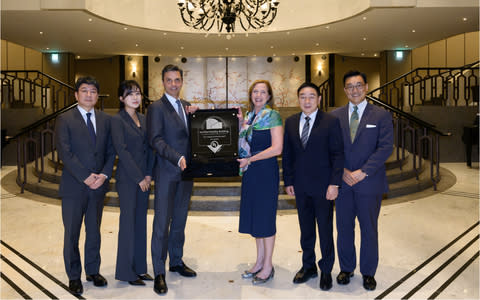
413, 167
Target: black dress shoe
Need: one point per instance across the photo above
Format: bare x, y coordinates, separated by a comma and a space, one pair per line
75, 287
369, 283
160, 285
145, 277
325, 281
344, 277
183, 270
138, 281
305, 274
98, 280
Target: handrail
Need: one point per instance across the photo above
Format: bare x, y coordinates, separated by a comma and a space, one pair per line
42, 121
46, 75
408, 116
425, 69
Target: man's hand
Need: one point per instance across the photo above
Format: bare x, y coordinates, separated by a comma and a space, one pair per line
352, 178
190, 109
332, 192
144, 186
183, 163
98, 182
90, 179
290, 190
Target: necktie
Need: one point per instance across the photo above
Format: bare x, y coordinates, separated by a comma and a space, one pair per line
354, 123
91, 130
306, 128
180, 112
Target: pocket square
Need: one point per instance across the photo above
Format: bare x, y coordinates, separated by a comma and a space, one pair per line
371, 125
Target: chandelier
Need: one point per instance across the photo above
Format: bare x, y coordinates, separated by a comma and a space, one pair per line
251, 14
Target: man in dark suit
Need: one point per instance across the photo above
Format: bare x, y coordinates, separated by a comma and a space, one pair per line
83, 141
312, 172
170, 139
368, 141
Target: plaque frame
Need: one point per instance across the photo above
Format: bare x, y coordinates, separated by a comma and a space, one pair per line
214, 143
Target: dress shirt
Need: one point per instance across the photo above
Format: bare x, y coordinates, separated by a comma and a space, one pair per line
361, 107
312, 116
92, 117
173, 101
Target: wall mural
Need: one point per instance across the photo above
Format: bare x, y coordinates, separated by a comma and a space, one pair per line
205, 79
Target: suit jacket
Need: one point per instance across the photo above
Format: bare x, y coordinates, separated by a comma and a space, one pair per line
371, 147
80, 157
320, 164
135, 156
168, 137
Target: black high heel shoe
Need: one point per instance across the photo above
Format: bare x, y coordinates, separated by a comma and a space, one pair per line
247, 274
257, 280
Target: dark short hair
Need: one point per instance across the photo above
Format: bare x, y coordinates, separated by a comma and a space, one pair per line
354, 73
169, 68
87, 80
310, 85
269, 89
125, 88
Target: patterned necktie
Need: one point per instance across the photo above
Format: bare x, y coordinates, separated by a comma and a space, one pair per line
306, 128
91, 129
354, 123
180, 112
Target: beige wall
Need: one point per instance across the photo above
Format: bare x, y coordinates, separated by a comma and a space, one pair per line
455, 51
130, 63
343, 64
106, 71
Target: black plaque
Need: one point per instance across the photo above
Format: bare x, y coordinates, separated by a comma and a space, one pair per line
214, 139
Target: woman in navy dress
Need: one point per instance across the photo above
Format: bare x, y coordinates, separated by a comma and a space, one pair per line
133, 177
260, 142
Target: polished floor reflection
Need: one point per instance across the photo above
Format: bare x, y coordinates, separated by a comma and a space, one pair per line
428, 249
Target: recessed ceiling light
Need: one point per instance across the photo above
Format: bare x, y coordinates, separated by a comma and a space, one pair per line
164, 33
317, 44
363, 54
271, 47
364, 38
41, 32
90, 20
406, 46
136, 45
78, 56
464, 19
159, 54
180, 55
413, 30
288, 32
274, 54
125, 28
48, 48
89, 41
226, 49
327, 27
293, 53
375, 54
364, 18
181, 47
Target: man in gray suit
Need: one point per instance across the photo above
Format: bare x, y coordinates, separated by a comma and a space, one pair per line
169, 137
83, 141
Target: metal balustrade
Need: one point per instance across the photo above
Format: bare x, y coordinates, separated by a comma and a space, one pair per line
432, 86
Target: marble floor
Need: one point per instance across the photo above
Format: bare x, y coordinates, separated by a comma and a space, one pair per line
428, 249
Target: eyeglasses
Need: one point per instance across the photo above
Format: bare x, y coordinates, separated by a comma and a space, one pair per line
358, 86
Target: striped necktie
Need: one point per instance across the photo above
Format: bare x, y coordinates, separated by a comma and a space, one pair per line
306, 128
354, 123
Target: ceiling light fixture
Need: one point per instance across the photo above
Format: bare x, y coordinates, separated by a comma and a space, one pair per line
204, 14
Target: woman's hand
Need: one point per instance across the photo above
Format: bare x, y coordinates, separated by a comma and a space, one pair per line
243, 162
144, 186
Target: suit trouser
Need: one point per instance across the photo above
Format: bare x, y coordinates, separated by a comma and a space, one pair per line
171, 209
311, 210
132, 233
74, 208
366, 208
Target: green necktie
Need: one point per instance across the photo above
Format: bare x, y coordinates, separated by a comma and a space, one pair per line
354, 123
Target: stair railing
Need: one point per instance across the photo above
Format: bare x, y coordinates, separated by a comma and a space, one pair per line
423, 86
